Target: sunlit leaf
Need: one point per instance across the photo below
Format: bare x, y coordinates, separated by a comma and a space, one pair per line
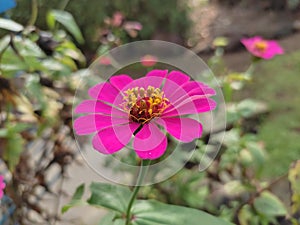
10, 25
26, 48
68, 21
220, 42
234, 188
4, 42
69, 49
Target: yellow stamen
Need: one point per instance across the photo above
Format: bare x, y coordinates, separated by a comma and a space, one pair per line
261, 45
143, 105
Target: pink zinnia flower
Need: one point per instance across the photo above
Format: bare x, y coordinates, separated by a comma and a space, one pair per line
261, 48
148, 60
2, 186
124, 109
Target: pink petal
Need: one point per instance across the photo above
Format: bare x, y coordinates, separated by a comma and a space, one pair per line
157, 73
112, 139
273, 49
185, 91
105, 92
145, 82
193, 105
172, 87
178, 77
95, 106
198, 88
150, 142
249, 42
120, 81
276, 48
173, 91
183, 129
91, 123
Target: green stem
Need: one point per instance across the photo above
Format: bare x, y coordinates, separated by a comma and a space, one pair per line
34, 12
250, 70
143, 170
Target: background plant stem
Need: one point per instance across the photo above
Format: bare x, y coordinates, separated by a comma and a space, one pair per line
34, 13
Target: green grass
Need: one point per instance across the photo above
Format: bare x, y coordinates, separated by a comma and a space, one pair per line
277, 82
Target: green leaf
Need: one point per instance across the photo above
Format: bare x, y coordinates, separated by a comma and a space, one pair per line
13, 150
109, 196
150, 212
50, 19
257, 153
110, 219
56, 68
68, 48
234, 188
4, 42
76, 199
26, 48
68, 21
10, 25
269, 205
294, 180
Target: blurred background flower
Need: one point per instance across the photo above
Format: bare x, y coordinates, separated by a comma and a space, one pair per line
2, 186
262, 48
148, 60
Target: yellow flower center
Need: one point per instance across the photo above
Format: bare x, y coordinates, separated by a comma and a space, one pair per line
261, 46
143, 105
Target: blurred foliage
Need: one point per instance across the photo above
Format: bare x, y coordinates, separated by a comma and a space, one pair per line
277, 83
167, 17
267, 4
31, 62
37, 85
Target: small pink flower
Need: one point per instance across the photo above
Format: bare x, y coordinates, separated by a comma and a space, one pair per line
132, 25
117, 19
148, 60
104, 60
2, 186
132, 28
143, 110
261, 48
